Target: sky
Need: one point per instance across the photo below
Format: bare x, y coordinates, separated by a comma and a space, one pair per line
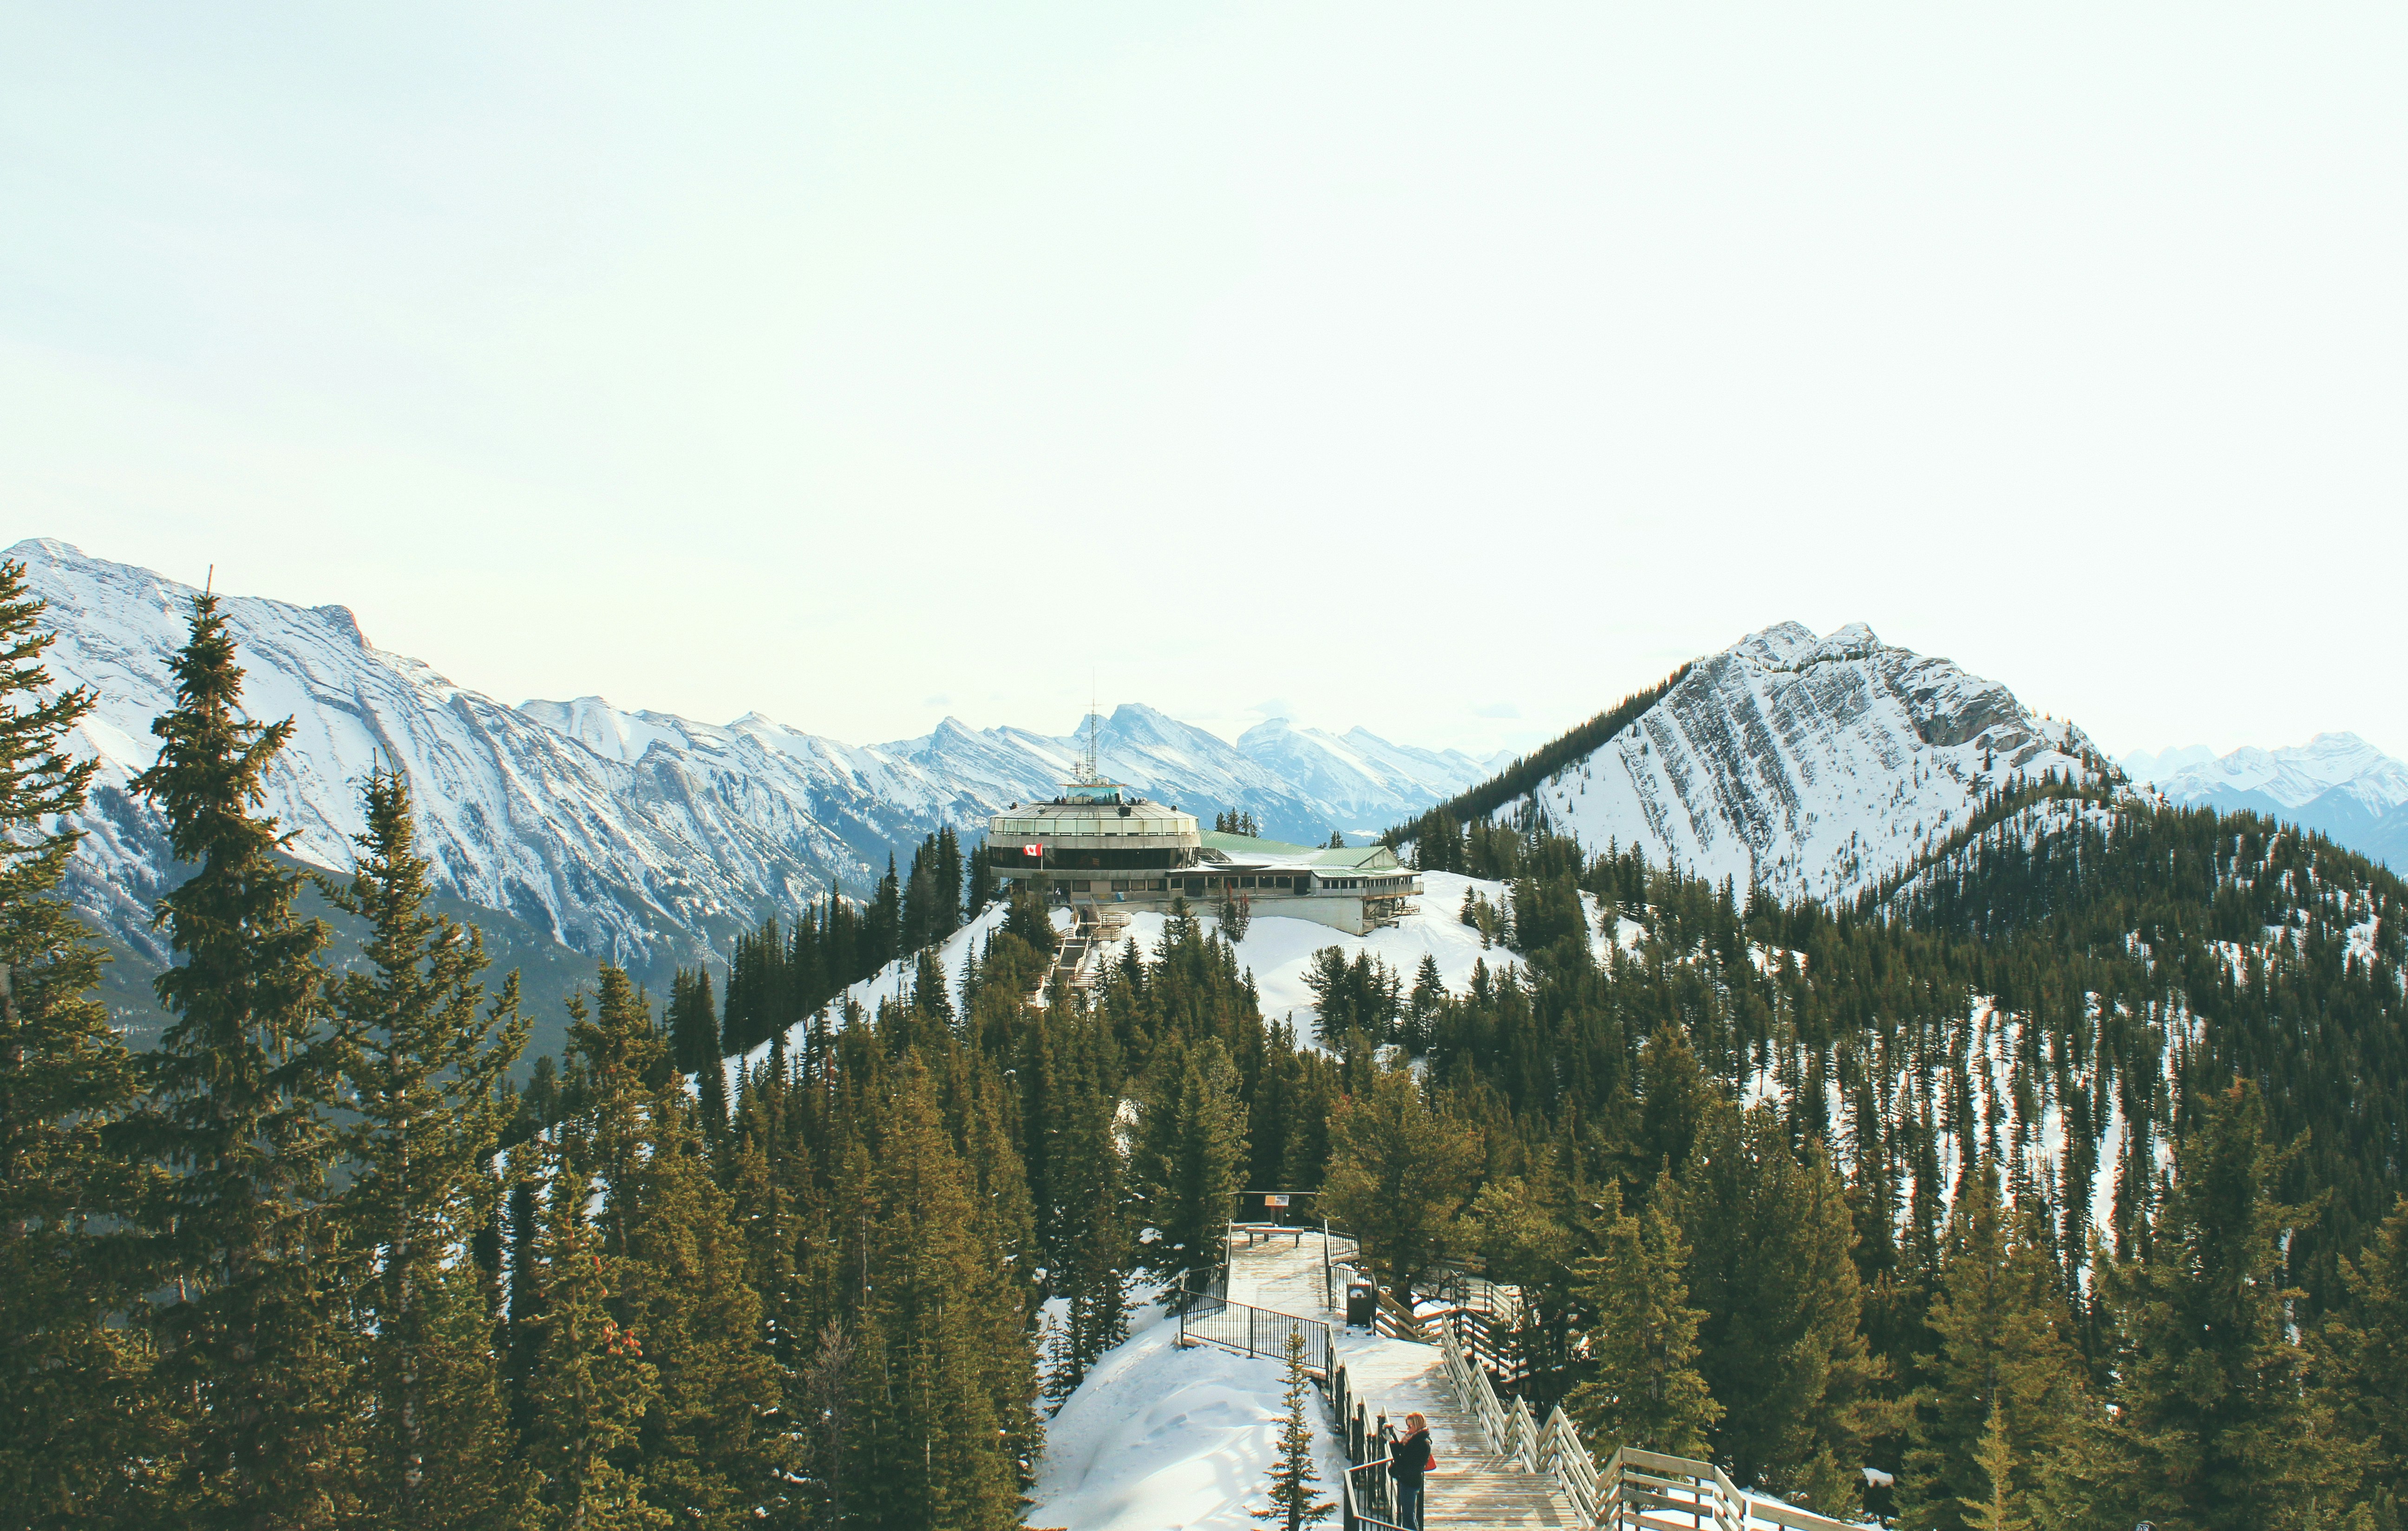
1450, 372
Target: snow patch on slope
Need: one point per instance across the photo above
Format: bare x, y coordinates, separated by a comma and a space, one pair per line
1159, 1438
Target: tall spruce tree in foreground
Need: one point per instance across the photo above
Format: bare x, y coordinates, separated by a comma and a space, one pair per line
1644, 1390
1401, 1170
77, 1422
1093, 1235
2214, 1390
2365, 1346
1781, 1346
239, 1092
1295, 1477
708, 1456
428, 1053
942, 1363
588, 1385
2004, 1427
1191, 1142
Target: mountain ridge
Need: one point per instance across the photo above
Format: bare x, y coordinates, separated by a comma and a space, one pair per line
2336, 784
635, 835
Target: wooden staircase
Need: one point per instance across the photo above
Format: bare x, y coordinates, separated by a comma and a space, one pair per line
1078, 964
1499, 1466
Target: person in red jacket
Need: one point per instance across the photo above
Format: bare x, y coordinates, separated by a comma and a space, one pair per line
1408, 1460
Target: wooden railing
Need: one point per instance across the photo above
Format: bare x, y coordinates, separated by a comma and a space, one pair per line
1393, 1319
1486, 1340
1376, 1500
1636, 1488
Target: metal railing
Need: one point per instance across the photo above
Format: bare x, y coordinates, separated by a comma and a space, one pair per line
1371, 1498
1375, 1504
1209, 1317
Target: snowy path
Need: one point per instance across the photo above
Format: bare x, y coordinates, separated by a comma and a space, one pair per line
1282, 1270
1397, 1376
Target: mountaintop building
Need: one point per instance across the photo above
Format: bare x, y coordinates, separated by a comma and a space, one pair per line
1100, 843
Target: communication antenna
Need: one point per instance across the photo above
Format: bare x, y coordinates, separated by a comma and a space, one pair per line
1092, 705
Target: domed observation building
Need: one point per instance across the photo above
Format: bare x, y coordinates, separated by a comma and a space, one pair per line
1096, 839
1100, 843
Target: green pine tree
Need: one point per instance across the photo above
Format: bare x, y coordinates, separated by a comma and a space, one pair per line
709, 1456
1296, 1501
1192, 1142
626, 1062
2214, 1396
1643, 1388
981, 882
240, 1091
1093, 1237
1401, 1171
940, 1358
427, 1056
694, 1046
1783, 1347
2366, 1344
79, 1424
588, 1382
2005, 1409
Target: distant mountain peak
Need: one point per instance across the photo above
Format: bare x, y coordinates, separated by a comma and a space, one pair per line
1809, 765
2336, 784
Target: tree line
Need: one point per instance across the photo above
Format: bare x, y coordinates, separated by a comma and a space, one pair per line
315, 1262
2058, 1182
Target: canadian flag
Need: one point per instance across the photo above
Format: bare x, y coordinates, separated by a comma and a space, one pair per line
1032, 850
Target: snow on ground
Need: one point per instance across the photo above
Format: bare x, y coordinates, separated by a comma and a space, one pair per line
1159, 1438
1279, 950
891, 981
1276, 950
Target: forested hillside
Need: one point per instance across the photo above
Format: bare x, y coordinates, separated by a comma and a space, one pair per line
2057, 1178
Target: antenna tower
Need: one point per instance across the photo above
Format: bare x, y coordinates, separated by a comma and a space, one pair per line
1091, 728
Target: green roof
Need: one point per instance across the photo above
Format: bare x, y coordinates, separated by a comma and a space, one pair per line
1353, 856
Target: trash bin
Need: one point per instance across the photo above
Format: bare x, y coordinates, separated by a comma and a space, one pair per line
1362, 1303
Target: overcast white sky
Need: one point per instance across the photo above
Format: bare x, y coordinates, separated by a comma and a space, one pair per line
1454, 372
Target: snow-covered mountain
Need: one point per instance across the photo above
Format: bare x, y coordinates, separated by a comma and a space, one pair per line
1358, 772
2336, 783
637, 835
1811, 766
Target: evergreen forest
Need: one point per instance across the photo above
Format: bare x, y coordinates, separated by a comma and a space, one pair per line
2057, 1182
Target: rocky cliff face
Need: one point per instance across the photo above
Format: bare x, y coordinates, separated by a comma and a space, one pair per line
1811, 766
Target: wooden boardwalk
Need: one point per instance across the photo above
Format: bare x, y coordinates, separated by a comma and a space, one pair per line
1471, 1487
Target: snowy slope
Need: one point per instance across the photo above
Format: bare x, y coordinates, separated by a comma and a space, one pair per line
1812, 766
637, 835
2336, 783
1276, 951
1159, 1438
